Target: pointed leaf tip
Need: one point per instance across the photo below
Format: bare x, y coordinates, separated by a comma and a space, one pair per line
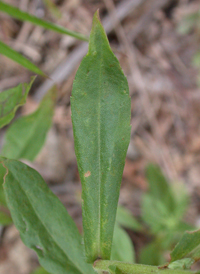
97, 16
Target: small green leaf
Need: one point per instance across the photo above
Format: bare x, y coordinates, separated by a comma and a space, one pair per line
40, 270
26, 136
100, 106
181, 198
159, 187
24, 16
122, 249
11, 99
126, 219
43, 222
18, 58
156, 215
181, 264
162, 209
188, 247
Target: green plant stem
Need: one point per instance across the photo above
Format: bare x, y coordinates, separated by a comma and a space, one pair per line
127, 268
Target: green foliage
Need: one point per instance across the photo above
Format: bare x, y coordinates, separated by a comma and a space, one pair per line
24, 16
196, 59
126, 268
26, 136
188, 247
100, 106
40, 270
189, 22
122, 249
152, 254
5, 218
44, 224
159, 187
11, 100
101, 116
163, 208
18, 58
181, 264
113, 269
52, 7
125, 219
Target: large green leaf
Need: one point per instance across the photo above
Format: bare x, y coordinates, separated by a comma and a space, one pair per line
42, 220
24, 16
26, 136
122, 249
188, 247
11, 99
20, 59
100, 105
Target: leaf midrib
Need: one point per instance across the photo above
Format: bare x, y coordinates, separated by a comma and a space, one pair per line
99, 151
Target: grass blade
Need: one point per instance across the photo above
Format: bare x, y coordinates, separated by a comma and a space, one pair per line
18, 58
24, 16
